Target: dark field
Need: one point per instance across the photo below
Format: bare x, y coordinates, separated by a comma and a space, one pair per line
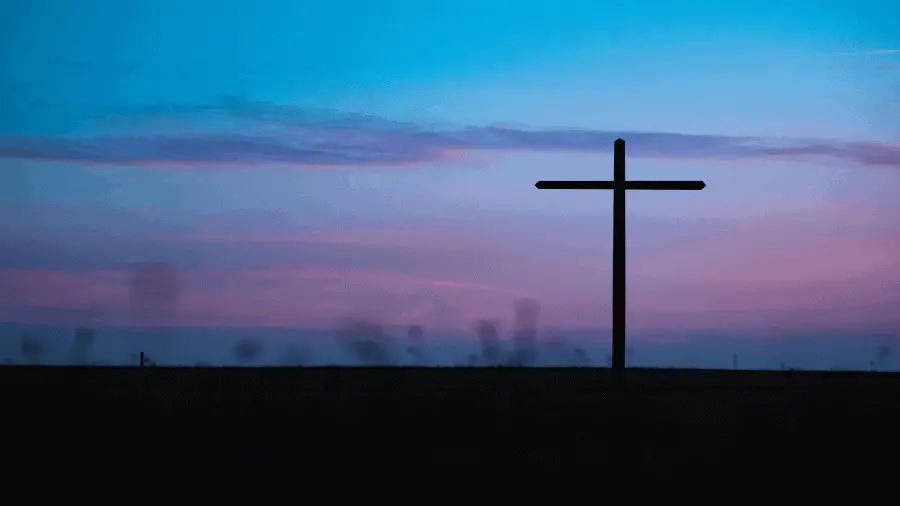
560, 429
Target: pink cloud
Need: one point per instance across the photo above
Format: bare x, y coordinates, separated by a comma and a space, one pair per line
829, 266
725, 289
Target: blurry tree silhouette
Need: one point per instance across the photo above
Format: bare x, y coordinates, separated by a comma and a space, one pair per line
473, 359
247, 350
582, 359
82, 346
372, 352
513, 359
367, 342
297, 356
526, 311
32, 348
416, 336
489, 337
415, 355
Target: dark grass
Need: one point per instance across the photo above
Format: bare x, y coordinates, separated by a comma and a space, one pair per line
561, 429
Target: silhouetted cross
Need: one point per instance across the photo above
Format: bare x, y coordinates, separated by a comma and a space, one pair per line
619, 184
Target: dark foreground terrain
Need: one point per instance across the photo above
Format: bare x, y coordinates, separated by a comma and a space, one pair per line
741, 433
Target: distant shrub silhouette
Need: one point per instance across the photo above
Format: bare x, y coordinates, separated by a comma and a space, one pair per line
491, 356
247, 350
297, 356
32, 348
513, 359
416, 333
525, 354
415, 350
415, 355
372, 352
526, 312
365, 341
489, 337
82, 345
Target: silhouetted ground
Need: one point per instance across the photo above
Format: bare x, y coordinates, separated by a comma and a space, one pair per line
748, 433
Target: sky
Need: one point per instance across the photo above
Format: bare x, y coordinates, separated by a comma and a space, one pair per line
279, 164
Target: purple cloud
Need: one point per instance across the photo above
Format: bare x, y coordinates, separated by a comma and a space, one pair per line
248, 134
861, 153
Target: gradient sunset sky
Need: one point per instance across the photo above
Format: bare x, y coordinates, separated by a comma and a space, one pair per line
297, 162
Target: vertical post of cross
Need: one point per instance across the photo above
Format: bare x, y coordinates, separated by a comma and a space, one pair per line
618, 275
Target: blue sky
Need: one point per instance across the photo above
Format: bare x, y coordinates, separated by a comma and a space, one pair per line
150, 131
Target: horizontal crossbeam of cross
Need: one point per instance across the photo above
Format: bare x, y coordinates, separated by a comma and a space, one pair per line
611, 185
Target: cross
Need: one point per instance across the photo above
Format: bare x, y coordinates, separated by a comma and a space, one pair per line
618, 185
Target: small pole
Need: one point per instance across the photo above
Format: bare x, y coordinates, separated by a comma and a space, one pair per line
142, 359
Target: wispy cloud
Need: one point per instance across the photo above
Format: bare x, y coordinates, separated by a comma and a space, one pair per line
250, 134
878, 52
276, 295
815, 269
